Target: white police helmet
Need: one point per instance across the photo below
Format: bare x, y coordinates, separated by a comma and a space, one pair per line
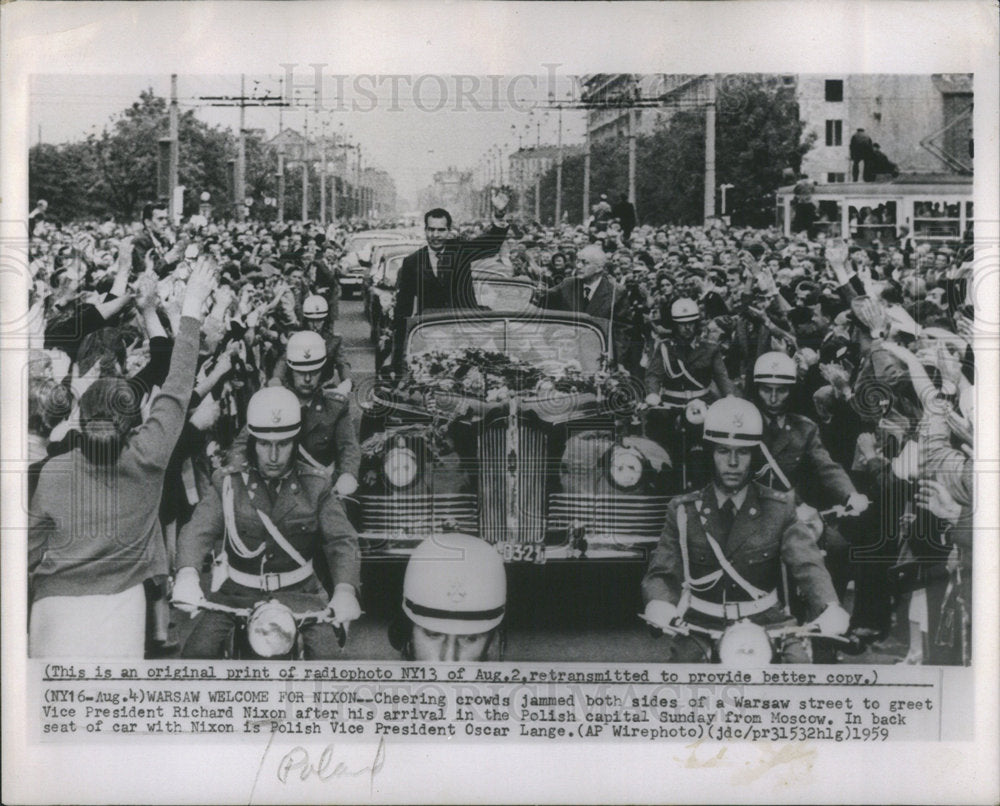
735, 422
306, 351
274, 413
775, 368
684, 310
315, 307
455, 584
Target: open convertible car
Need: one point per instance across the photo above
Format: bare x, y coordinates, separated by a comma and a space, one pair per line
511, 427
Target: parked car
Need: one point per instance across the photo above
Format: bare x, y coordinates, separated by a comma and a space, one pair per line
357, 256
509, 426
374, 269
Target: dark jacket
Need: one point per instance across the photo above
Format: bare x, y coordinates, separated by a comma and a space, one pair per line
94, 530
419, 290
764, 534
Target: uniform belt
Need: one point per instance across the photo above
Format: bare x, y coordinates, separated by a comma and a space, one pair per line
271, 582
683, 394
734, 610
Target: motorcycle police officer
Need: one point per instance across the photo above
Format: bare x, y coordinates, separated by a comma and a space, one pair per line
316, 317
454, 597
273, 516
720, 556
328, 441
794, 443
684, 364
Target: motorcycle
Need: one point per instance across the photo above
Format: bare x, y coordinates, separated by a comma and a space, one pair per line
744, 643
270, 630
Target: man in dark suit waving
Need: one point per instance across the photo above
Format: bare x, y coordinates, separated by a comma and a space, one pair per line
593, 292
438, 275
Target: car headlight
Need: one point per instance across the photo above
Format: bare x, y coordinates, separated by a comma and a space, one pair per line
625, 467
400, 466
271, 630
746, 645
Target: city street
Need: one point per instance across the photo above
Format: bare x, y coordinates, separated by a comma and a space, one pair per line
569, 612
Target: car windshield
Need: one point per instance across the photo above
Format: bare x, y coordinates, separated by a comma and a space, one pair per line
363, 246
500, 296
539, 343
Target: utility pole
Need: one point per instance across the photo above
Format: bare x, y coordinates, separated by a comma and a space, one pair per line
322, 175
243, 101
710, 150
281, 158
633, 125
559, 161
305, 169
240, 191
538, 195
174, 159
357, 186
586, 172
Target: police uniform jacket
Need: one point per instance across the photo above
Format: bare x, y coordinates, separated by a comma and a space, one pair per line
328, 431
765, 533
702, 359
305, 510
797, 448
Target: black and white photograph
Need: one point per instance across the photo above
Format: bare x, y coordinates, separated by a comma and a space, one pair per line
362, 404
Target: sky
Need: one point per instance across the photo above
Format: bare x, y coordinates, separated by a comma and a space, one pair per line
410, 126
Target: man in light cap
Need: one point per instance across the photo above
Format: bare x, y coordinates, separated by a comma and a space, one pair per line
454, 598
719, 559
316, 317
685, 363
802, 462
274, 516
329, 441
591, 291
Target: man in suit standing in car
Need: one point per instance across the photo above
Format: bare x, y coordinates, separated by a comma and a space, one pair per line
591, 291
438, 275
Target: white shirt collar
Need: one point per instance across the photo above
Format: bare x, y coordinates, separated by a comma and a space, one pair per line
592, 285
738, 498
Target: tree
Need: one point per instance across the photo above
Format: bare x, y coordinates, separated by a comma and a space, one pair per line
116, 172
758, 137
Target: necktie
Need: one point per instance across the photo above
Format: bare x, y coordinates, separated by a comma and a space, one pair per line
273, 486
726, 517
586, 293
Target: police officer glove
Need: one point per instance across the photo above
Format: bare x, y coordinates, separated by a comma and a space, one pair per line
834, 620
652, 399
857, 503
344, 604
187, 590
346, 484
660, 613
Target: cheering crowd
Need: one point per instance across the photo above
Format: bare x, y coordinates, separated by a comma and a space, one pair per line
161, 355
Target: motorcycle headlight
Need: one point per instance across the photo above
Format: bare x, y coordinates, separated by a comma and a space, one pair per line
746, 645
625, 467
695, 411
400, 466
271, 630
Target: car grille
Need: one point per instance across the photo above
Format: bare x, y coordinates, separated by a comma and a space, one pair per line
512, 483
402, 514
628, 517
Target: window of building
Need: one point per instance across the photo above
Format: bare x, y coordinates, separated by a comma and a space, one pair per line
834, 132
836, 177
834, 90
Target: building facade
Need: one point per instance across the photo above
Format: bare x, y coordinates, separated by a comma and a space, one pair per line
923, 123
